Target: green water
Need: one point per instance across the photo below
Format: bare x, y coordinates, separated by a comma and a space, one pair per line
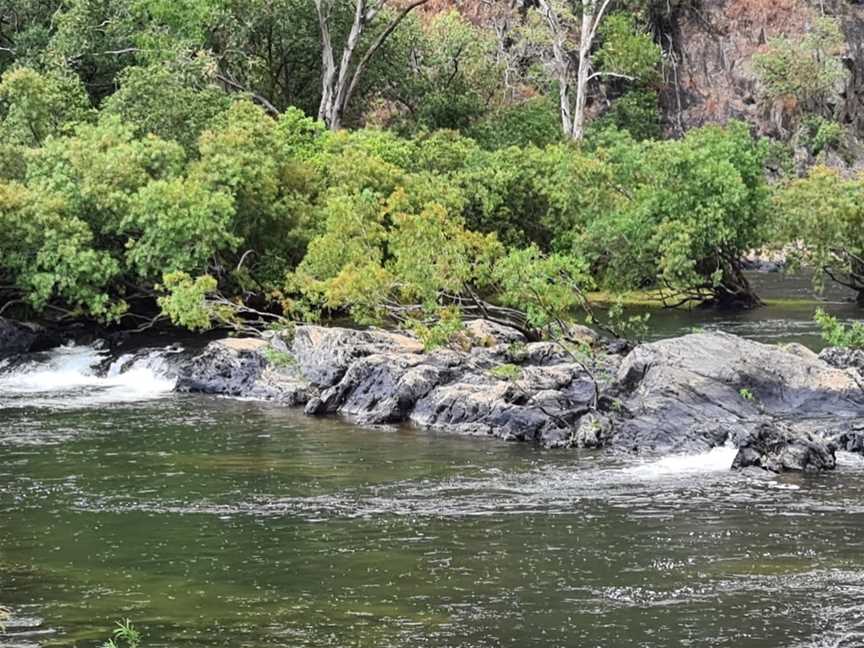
214, 522
221, 523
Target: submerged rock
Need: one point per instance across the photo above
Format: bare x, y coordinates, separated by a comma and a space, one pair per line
777, 447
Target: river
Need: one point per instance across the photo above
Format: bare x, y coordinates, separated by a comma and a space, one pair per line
218, 522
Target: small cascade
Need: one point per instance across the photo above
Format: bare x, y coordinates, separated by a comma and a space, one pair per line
82, 375
717, 459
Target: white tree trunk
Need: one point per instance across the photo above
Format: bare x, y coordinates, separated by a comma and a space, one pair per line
339, 83
586, 39
573, 111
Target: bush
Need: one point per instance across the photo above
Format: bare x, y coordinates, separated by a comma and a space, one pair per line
836, 334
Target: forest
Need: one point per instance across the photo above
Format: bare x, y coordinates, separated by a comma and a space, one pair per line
248, 163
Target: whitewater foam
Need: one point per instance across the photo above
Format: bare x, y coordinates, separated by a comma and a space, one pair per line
69, 377
717, 459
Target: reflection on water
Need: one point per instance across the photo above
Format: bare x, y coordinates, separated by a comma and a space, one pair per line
786, 317
219, 523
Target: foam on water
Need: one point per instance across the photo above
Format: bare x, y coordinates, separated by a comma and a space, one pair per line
69, 376
715, 460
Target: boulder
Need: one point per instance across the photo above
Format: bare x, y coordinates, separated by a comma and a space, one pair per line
485, 333
778, 448
844, 358
692, 392
16, 337
241, 367
324, 354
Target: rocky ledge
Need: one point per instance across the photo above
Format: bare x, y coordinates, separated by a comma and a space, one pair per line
785, 408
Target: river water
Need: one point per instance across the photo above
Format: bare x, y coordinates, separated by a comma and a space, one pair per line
218, 522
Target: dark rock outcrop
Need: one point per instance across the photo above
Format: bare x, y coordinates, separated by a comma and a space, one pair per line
777, 447
16, 338
690, 393
695, 391
240, 367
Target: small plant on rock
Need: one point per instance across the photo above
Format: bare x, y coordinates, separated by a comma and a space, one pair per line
509, 372
277, 358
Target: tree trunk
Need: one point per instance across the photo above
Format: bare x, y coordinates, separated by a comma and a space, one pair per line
735, 293
585, 42
339, 83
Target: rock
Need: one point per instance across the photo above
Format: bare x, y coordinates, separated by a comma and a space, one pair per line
684, 394
692, 392
487, 334
844, 358
240, 367
241, 345
224, 367
543, 405
324, 354
594, 431
16, 337
776, 447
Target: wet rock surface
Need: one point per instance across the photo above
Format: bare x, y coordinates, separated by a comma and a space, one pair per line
684, 394
777, 447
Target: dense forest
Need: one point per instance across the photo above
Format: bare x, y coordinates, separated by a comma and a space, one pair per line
251, 162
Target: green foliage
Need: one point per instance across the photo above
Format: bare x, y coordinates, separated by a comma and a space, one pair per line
837, 334
34, 106
636, 111
47, 254
279, 359
454, 75
805, 70
826, 212
508, 372
532, 122
694, 206
818, 134
174, 103
746, 394
125, 634
177, 225
627, 49
447, 325
185, 300
547, 288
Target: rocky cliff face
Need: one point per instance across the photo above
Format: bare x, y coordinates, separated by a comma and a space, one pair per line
710, 76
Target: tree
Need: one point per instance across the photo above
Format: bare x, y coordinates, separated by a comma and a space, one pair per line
339, 80
626, 53
801, 76
34, 106
443, 75
825, 212
692, 208
174, 102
